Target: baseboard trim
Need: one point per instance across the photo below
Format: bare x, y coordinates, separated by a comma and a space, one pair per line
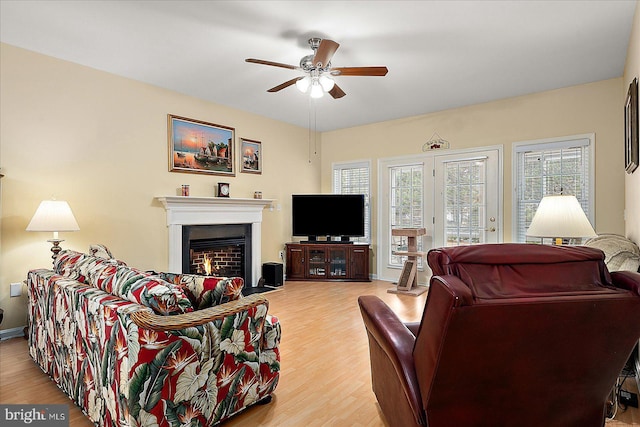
6, 334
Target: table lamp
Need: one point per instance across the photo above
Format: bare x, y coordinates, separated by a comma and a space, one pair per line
558, 217
53, 215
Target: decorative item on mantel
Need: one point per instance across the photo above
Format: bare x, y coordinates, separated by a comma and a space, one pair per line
223, 189
436, 142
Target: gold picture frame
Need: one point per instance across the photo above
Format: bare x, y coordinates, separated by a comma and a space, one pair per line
631, 149
196, 146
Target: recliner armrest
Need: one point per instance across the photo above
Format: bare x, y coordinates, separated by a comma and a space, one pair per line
397, 341
626, 280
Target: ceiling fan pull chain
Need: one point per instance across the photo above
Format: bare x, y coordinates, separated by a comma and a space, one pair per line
313, 126
309, 127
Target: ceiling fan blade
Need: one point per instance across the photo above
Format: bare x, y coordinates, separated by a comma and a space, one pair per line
359, 71
324, 53
274, 64
336, 92
284, 85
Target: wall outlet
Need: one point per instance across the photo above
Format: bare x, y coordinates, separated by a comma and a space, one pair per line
281, 255
16, 289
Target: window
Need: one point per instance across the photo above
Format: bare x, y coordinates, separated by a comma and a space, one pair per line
550, 167
406, 207
353, 178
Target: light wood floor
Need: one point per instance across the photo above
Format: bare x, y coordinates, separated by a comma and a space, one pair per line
325, 378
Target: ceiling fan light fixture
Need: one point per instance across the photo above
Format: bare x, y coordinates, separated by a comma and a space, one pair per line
303, 84
316, 90
327, 83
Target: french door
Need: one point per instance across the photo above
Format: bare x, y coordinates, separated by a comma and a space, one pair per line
455, 196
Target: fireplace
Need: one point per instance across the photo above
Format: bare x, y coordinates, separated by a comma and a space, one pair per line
218, 250
185, 212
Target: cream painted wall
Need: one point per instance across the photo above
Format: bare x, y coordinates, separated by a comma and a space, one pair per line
632, 182
99, 141
590, 108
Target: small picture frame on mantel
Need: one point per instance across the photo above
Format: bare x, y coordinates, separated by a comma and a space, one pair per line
631, 149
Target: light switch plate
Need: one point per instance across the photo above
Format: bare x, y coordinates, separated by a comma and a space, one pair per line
16, 289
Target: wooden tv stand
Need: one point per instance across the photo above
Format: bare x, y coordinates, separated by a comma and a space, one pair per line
328, 261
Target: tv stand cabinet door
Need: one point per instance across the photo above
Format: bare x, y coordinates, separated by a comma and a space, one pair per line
359, 268
296, 265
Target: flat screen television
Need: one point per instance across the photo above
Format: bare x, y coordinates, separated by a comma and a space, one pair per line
331, 215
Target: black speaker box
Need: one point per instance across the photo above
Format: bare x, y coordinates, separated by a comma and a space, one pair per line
272, 274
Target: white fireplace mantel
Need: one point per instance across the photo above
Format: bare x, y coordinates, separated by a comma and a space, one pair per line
187, 210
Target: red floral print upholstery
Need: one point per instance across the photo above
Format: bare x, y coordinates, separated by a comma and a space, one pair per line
128, 283
206, 291
122, 374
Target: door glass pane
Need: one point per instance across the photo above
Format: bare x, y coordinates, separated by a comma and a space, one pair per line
465, 202
407, 207
337, 263
316, 262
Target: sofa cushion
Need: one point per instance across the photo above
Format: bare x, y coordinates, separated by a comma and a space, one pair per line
128, 283
206, 291
76, 265
143, 288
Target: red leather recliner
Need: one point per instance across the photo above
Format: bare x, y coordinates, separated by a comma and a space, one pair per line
511, 335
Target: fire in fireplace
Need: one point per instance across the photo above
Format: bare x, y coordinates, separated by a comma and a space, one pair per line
217, 250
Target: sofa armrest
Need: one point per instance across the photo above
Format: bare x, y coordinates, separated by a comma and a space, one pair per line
397, 341
272, 332
626, 280
148, 320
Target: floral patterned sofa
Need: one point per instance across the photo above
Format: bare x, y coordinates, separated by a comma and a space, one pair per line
135, 348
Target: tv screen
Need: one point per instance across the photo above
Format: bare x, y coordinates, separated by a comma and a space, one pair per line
328, 215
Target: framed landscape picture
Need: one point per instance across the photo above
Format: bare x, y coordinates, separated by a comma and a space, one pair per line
631, 149
200, 147
251, 156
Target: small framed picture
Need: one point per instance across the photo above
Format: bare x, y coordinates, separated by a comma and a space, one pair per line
251, 156
631, 149
200, 147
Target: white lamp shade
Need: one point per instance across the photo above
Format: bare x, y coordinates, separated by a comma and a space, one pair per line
53, 215
560, 216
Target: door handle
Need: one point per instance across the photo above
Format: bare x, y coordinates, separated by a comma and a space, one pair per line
490, 229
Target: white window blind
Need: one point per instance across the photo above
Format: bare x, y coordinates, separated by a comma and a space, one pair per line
561, 166
354, 178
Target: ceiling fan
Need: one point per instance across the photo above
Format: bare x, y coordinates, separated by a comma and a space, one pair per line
319, 70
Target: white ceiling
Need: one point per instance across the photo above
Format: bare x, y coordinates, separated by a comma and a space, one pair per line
440, 54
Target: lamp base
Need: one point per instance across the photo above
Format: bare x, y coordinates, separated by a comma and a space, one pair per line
55, 248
